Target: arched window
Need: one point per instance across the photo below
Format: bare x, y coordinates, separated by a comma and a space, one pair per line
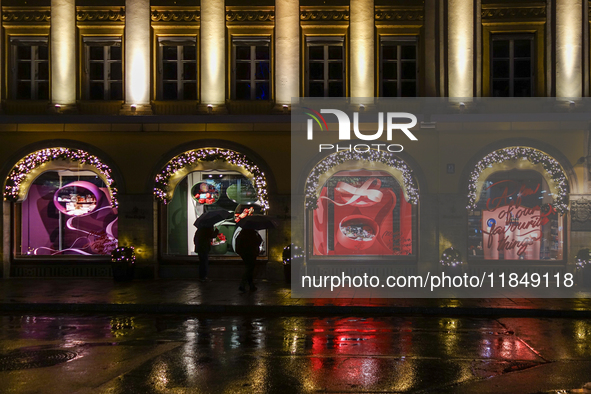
362, 204
518, 203
66, 204
203, 180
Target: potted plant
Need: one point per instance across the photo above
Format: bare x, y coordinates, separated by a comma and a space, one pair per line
451, 261
123, 263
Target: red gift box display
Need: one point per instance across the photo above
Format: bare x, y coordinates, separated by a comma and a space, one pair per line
362, 217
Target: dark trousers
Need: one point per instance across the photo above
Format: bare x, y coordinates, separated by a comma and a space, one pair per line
203, 264
249, 262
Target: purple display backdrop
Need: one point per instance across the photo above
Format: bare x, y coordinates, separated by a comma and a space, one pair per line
91, 234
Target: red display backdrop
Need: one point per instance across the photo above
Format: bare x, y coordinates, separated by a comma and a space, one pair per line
362, 212
515, 219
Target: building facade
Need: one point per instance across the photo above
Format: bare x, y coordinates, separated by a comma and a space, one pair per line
124, 121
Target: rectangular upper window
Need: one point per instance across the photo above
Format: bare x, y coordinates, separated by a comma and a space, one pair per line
398, 67
251, 69
30, 68
512, 65
177, 68
325, 67
103, 68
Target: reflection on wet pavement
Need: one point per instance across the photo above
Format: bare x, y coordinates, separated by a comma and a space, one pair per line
177, 354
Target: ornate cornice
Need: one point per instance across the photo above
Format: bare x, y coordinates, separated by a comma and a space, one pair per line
324, 15
537, 11
176, 15
101, 15
581, 210
20, 15
250, 16
400, 15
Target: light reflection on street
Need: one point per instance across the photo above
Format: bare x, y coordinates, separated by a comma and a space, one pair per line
290, 354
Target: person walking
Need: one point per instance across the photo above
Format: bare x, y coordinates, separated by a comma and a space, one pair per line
202, 240
248, 244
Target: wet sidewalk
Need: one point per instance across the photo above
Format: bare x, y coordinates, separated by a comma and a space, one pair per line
102, 295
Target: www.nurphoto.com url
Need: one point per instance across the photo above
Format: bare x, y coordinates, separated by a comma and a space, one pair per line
443, 280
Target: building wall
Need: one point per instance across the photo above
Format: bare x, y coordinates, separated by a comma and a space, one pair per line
137, 135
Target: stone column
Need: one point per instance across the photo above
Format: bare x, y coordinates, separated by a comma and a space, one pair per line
361, 24
6, 234
63, 53
137, 57
287, 51
569, 51
213, 53
137, 219
460, 52
430, 72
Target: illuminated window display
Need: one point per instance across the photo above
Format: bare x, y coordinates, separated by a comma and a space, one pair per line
516, 218
363, 212
203, 191
66, 212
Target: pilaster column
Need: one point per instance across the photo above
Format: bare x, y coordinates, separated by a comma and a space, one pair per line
137, 56
287, 51
361, 25
430, 73
213, 50
460, 52
63, 52
569, 51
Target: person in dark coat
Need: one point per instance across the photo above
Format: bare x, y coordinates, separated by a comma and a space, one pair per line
202, 239
248, 245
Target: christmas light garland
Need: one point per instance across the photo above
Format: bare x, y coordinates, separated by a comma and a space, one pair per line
208, 155
34, 160
534, 156
451, 257
340, 157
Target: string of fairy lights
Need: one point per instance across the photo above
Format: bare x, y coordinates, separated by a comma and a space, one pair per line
534, 156
32, 161
192, 157
123, 254
341, 157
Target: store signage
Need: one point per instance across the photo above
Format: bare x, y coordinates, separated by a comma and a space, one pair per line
345, 129
510, 225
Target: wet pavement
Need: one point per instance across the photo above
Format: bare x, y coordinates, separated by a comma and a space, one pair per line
182, 336
247, 354
96, 295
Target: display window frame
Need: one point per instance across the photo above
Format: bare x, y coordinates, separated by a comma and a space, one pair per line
227, 227
37, 31
534, 29
401, 32
323, 32
404, 177
165, 195
59, 161
95, 32
178, 42
524, 165
106, 43
239, 31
